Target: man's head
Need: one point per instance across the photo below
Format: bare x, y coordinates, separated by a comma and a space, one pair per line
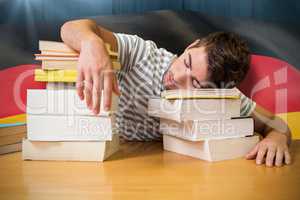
218, 60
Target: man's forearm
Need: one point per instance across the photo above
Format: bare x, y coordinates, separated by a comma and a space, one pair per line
74, 33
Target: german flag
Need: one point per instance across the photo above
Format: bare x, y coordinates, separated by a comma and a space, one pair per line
274, 85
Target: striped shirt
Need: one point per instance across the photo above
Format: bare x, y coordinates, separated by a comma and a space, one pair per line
143, 66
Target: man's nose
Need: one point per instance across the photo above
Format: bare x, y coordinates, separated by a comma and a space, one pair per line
184, 79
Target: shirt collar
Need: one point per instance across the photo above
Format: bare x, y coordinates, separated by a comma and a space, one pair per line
163, 69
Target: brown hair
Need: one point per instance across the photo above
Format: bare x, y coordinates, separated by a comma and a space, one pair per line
228, 58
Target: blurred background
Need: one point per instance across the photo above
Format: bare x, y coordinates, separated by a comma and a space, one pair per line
51, 11
27, 13
24, 22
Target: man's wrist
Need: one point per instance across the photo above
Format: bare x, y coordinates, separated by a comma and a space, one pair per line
286, 135
91, 40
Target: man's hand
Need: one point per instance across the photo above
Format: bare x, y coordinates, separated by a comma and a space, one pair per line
272, 150
95, 72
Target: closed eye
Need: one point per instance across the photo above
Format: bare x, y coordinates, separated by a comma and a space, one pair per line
196, 84
187, 65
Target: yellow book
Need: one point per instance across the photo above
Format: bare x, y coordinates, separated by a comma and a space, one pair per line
68, 75
55, 75
201, 94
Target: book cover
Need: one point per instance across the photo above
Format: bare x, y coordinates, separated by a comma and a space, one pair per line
64, 101
208, 129
201, 94
10, 148
194, 109
211, 150
69, 128
70, 151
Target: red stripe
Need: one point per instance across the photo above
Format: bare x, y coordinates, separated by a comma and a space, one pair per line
14, 82
273, 84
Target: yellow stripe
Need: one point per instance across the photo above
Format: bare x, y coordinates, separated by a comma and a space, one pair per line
55, 75
55, 79
66, 72
20, 118
292, 118
173, 97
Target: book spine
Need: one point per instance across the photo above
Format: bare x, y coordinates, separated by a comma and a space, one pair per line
11, 148
63, 151
57, 101
68, 128
208, 129
70, 151
194, 149
210, 109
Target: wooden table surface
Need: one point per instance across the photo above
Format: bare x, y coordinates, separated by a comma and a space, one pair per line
145, 171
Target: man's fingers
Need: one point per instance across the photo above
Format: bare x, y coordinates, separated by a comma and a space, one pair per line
261, 155
107, 89
88, 85
287, 157
80, 85
253, 152
270, 156
279, 157
96, 93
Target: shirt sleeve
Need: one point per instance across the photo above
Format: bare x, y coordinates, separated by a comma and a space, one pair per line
247, 105
131, 49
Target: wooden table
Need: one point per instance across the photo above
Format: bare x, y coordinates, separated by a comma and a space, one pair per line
145, 171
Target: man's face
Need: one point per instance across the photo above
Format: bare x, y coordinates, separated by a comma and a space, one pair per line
188, 71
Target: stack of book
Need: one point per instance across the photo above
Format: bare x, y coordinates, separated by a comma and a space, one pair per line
59, 62
11, 138
59, 124
204, 124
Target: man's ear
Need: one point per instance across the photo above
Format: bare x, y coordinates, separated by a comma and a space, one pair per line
192, 44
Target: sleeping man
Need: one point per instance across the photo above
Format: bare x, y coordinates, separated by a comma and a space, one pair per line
218, 60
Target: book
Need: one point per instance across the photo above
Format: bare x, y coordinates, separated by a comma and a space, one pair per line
209, 129
55, 75
211, 150
60, 86
194, 109
55, 46
70, 151
55, 58
64, 101
68, 64
69, 128
57, 53
10, 148
64, 56
12, 130
201, 94
11, 139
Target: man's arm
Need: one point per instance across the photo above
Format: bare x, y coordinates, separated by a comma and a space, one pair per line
95, 71
76, 32
273, 149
